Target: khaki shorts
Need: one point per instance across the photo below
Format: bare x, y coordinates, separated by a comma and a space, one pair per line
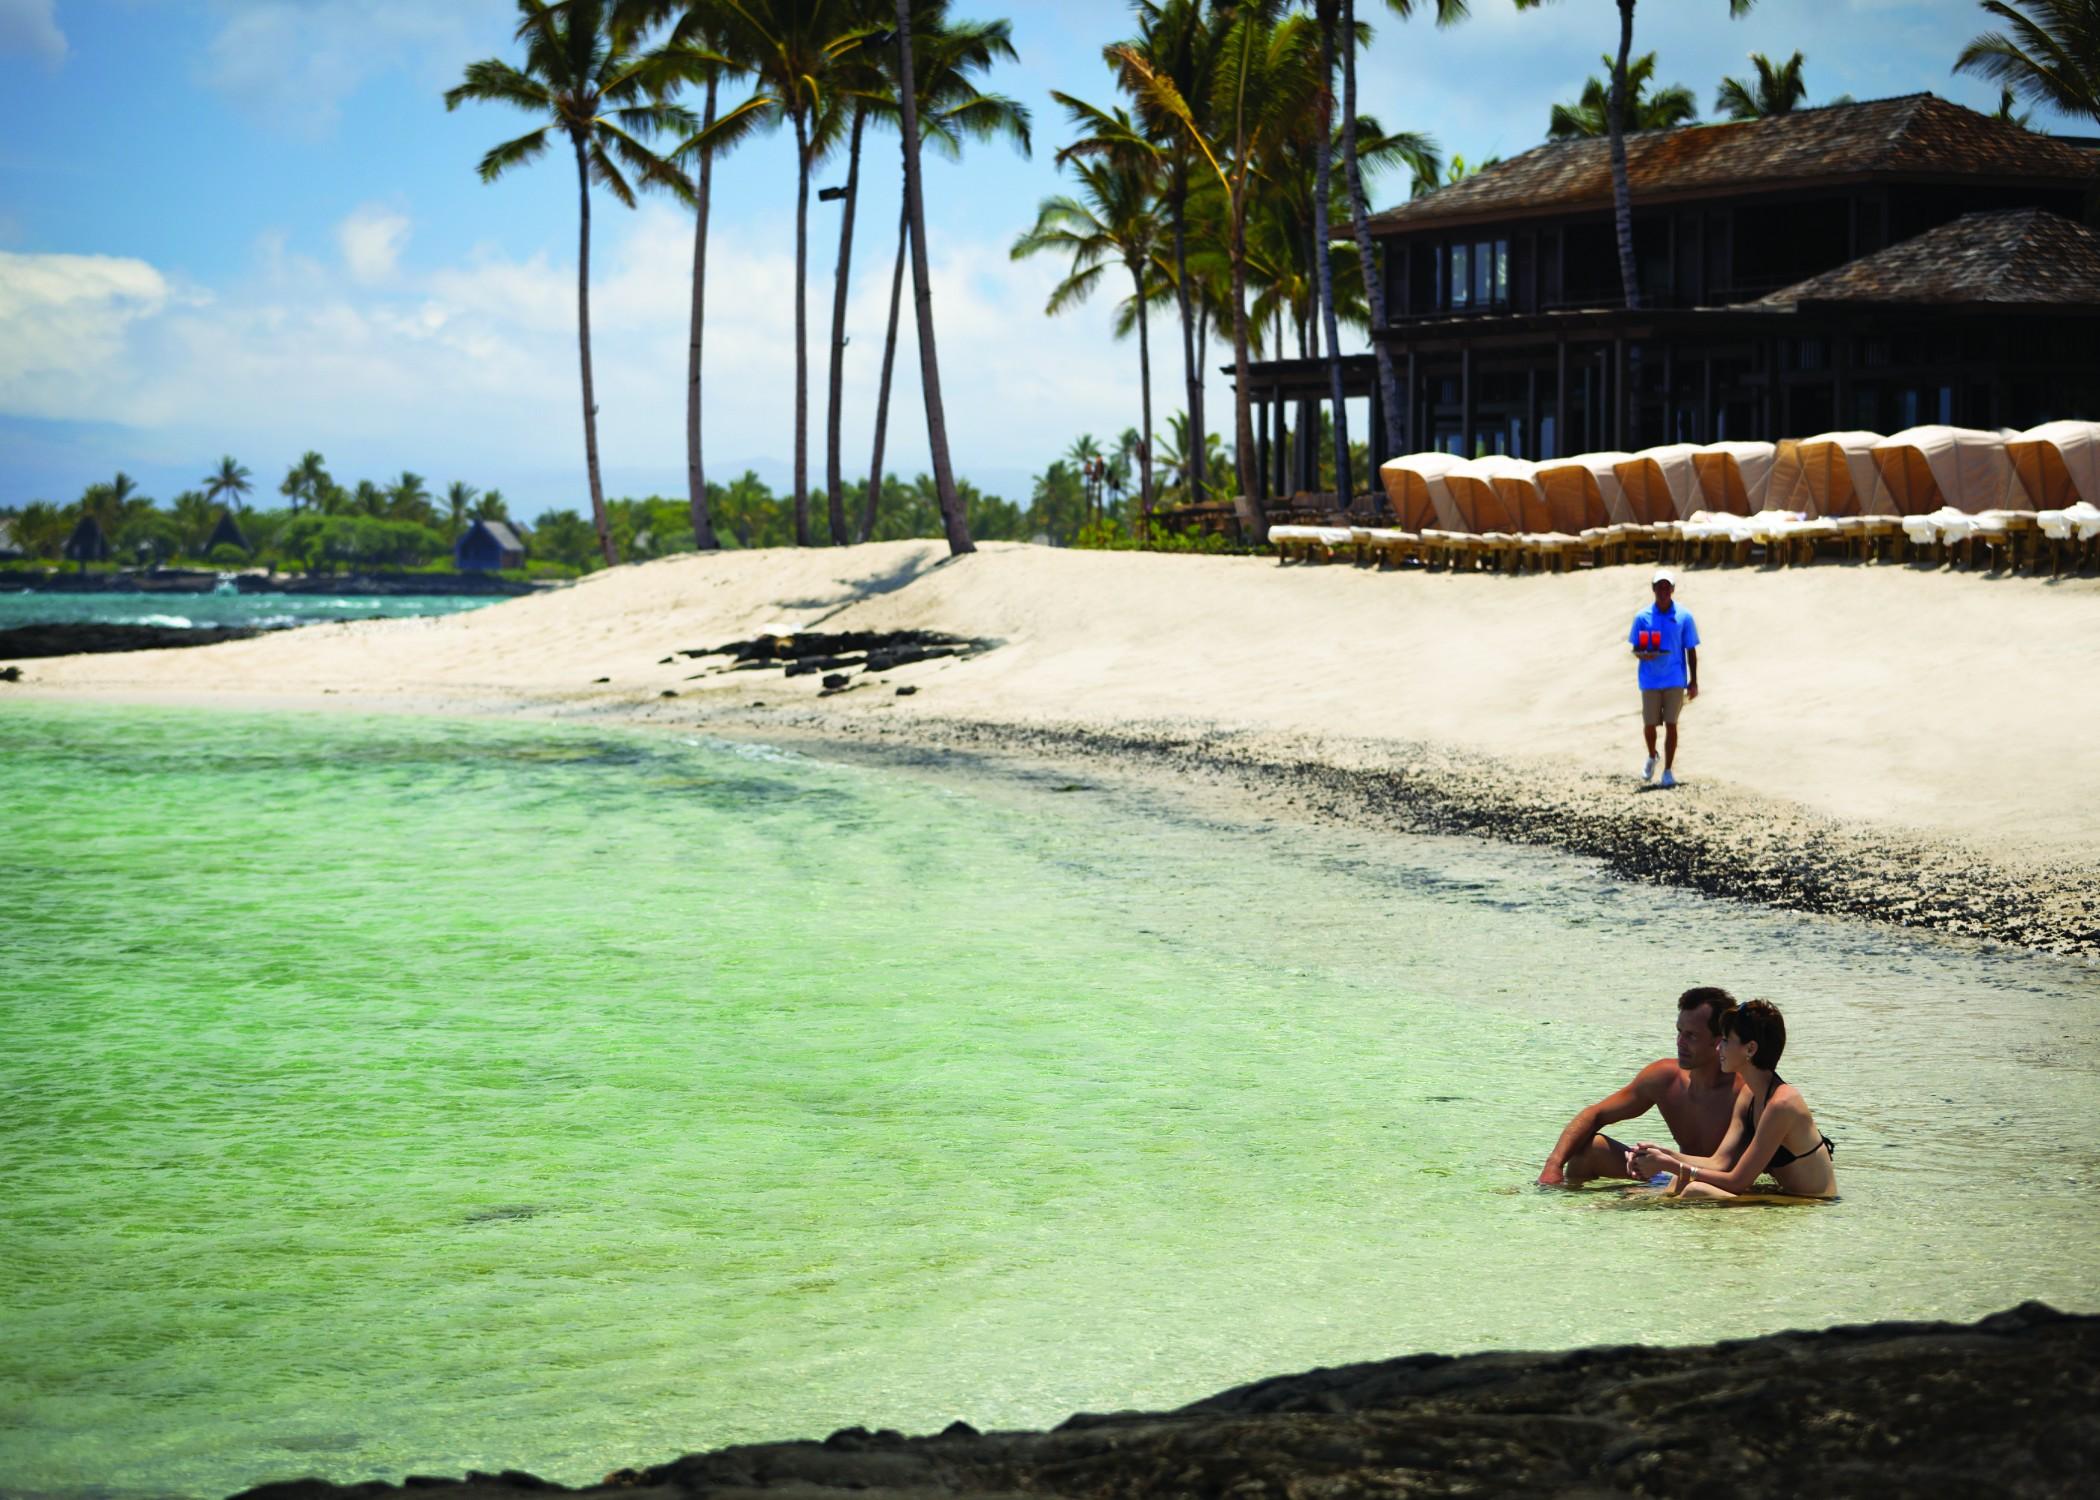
1661, 705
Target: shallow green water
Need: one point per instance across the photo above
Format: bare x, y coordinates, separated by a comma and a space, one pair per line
387, 1096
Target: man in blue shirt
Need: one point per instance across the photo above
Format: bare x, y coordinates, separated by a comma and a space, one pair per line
1666, 643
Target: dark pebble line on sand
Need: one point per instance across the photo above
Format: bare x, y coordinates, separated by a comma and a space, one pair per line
1721, 842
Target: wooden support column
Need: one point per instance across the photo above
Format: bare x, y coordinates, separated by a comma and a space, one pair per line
1279, 447
1560, 399
1308, 449
1531, 415
1669, 432
1375, 434
1841, 378
1261, 445
1466, 439
1618, 393
1412, 406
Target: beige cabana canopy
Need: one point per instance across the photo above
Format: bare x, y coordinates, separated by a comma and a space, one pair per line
1584, 491
1734, 477
1830, 474
1489, 492
1962, 468
1414, 483
2058, 463
1661, 484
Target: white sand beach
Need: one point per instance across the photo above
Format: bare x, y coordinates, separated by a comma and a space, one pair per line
1952, 705
1879, 742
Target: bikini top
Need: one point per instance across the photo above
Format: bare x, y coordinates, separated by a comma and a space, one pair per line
1785, 1158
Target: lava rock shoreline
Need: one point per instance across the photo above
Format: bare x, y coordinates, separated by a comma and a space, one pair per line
2008, 1406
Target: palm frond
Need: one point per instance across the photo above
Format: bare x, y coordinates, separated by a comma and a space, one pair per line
501, 159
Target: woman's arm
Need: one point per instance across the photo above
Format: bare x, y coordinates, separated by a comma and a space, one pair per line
1779, 1118
1731, 1146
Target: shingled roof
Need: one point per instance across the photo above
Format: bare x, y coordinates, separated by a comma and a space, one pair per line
1914, 136
2015, 256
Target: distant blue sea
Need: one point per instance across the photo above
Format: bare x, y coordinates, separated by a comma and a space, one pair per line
187, 611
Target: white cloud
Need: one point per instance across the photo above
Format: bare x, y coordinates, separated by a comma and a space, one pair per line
66, 322
471, 369
371, 239
293, 63
31, 27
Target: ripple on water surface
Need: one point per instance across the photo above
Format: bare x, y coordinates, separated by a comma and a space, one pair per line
381, 1096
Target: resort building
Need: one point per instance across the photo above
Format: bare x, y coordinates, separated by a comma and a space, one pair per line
226, 534
487, 547
1870, 265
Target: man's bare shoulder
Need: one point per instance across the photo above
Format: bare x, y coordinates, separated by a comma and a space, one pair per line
1659, 1079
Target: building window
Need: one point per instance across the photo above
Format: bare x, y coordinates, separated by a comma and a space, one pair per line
1461, 275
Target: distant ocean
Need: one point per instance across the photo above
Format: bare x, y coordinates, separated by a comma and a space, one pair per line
197, 611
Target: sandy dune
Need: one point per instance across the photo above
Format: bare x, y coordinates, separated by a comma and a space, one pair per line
1956, 705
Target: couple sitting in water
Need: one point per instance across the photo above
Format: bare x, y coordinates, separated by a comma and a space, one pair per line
1732, 1115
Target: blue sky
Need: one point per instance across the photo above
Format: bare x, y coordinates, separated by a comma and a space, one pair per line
250, 226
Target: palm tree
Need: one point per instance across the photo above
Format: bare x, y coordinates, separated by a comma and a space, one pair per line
408, 500
794, 50
1590, 115
1114, 218
459, 502
2051, 56
1457, 170
368, 499
1775, 91
229, 478
584, 74
194, 517
1178, 41
952, 518
1615, 111
1395, 410
304, 481
1264, 84
491, 506
693, 52
950, 108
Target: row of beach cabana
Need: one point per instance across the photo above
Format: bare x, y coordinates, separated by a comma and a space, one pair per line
2023, 497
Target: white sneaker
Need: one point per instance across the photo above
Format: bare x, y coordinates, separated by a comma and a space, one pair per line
1648, 770
1669, 779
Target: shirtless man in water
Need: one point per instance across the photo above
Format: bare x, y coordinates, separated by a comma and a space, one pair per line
1696, 1098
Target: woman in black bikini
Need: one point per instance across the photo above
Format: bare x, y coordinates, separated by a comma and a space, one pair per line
1772, 1131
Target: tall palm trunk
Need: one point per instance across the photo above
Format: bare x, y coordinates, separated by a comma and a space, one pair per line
801, 331
1250, 506
952, 517
1323, 255
1621, 193
583, 345
1191, 344
835, 490
1144, 526
882, 395
1366, 252
695, 471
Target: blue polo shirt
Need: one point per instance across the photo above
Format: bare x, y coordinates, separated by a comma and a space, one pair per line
1679, 635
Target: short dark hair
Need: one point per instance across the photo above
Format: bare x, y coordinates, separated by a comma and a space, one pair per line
1759, 1022
1717, 1001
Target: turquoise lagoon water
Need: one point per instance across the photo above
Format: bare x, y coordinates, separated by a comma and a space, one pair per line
383, 1096
188, 611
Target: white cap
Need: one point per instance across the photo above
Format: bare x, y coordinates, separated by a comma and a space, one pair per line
1663, 575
